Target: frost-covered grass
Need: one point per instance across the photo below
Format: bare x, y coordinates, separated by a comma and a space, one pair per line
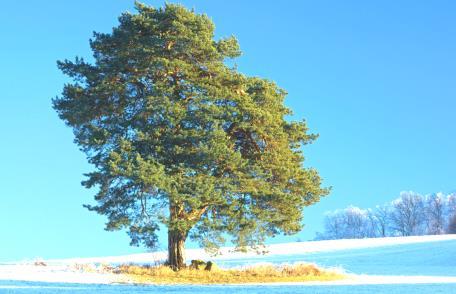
253, 274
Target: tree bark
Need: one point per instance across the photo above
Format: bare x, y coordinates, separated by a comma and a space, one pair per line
177, 237
176, 249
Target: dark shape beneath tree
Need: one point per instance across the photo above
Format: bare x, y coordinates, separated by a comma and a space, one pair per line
179, 138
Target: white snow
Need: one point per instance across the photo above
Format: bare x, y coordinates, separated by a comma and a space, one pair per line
53, 274
274, 249
374, 280
67, 270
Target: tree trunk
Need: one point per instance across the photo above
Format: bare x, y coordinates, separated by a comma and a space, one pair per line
176, 249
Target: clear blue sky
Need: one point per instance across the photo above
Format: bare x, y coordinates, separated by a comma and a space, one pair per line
376, 80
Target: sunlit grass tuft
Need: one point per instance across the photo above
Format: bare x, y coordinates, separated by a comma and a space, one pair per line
161, 274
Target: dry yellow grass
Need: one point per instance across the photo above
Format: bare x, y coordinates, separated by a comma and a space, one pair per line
255, 274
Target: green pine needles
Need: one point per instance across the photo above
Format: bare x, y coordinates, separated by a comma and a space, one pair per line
177, 137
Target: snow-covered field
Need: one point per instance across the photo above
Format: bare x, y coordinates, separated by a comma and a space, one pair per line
296, 248
387, 261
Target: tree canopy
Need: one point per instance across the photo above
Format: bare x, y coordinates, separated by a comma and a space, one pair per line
177, 137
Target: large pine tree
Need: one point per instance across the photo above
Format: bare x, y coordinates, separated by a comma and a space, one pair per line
179, 138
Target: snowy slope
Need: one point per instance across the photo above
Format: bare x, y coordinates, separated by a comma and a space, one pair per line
296, 248
403, 260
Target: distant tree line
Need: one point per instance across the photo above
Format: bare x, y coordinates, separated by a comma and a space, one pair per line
411, 214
